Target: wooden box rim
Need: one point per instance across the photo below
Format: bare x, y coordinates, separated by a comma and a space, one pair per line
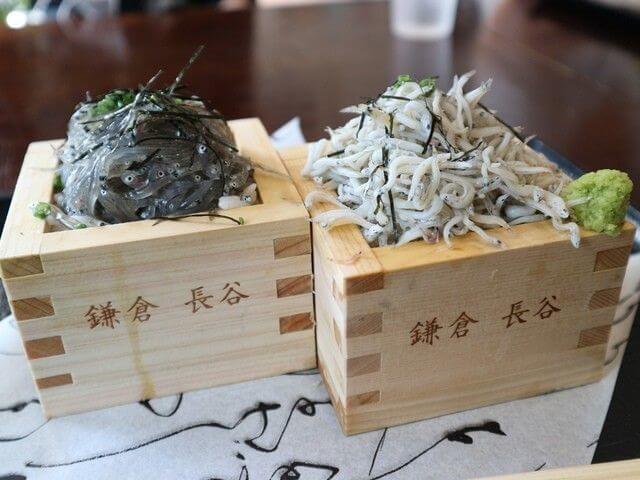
24, 236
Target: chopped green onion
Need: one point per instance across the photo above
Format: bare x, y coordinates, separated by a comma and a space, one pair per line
113, 101
41, 210
402, 79
429, 83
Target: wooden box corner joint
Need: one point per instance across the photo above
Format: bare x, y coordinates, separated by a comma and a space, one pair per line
30, 308
21, 266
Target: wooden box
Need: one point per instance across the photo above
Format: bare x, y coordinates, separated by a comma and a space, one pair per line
131, 311
412, 332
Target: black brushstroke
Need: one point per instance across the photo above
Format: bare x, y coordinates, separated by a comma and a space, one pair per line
261, 408
378, 448
361, 124
290, 471
147, 404
460, 435
591, 444
22, 437
244, 473
540, 467
19, 406
13, 476
304, 406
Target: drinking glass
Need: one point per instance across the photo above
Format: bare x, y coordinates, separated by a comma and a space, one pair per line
423, 19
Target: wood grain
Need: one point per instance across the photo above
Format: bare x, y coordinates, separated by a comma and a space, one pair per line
54, 381
21, 266
607, 297
291, 246
35, 307
363, 365
363, 399
367, 324
612, 258
594, 336
287, 287
296, 322
44, 347
364, 283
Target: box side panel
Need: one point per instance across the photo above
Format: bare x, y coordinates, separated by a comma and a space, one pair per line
107, 325
461, 334
329, 306
270, 174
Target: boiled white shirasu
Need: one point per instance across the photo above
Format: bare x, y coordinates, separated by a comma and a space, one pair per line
420, 163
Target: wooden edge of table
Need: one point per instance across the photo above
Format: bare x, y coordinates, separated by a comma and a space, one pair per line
623, 470
24, 237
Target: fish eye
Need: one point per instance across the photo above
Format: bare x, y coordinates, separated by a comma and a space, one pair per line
160, 174
202, 148
197, 178
129, 178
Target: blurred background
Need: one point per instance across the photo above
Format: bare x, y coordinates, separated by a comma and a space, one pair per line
566, 70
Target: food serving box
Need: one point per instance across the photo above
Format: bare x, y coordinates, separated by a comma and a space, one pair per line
125, 312
412, 332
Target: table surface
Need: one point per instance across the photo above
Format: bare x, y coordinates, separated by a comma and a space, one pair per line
571, 79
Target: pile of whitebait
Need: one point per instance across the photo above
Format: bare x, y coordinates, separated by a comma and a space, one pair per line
420, 163
139, 154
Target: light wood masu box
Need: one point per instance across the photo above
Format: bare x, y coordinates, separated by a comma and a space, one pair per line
417, 331
251, 284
